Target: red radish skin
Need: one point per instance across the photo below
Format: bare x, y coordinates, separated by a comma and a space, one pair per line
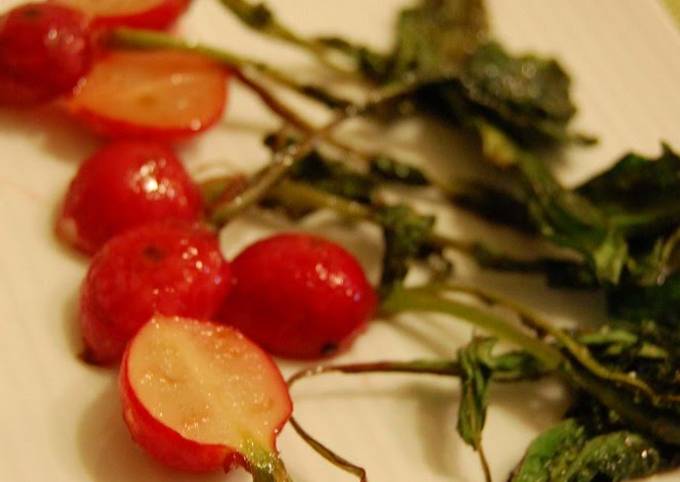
299, 296
124, 185
158, 95
44, 52
147, 418
149, 14
167, 268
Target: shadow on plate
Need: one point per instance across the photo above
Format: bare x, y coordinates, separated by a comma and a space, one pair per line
50, 129
538, 405
72, 335
109, 454
433, 420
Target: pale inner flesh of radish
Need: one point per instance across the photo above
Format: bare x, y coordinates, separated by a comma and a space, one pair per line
112, 7
167, 89
207, 382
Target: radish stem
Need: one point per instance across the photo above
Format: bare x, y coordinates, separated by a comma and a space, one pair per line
422, 299
130, 38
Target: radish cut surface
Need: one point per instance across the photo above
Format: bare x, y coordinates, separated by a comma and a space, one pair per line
208, 383
158, 94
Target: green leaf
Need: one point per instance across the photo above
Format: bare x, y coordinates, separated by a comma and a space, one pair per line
334, 177
511, 101
638, 303
389, 169
433, 41
617, 456
256, 15
495, 205
526, 95
511, 365
654, 266
551, 452
571, 275
406, 236
646, 349
639, 194
567, 453
474, 378
436, 37
569, 220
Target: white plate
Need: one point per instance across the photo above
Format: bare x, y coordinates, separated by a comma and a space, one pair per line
60, 419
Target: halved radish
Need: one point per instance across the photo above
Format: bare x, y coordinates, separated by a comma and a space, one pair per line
153, 14
162, 95
200, 397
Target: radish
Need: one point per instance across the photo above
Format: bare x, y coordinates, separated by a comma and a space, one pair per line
152, 14
44, 51
167, 268
123, 185
298, 296
162, 95
199, 397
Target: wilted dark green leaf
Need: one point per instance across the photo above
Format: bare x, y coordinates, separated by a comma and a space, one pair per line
652, 266
616, 457
256, 15
571, 275
475, 377
638, 303
640, 195
570, 220
436, 37
509, 365
551, 452
567, 453
389, 169
495, 205
406, 236
527, 95
334, 177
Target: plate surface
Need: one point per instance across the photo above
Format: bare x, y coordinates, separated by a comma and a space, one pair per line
60, 419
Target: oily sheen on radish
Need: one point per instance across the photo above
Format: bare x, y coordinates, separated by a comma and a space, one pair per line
123, 185
44, 52
299, 296
165, 268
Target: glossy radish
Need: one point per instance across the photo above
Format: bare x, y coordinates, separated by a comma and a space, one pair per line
299, 296
199, 396
123, 185
170, 269
161, 95
44, 51
151, 14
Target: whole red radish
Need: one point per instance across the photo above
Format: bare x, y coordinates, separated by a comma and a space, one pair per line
167, 268
44, 51
299, 296
200, 396
162, 95
151, 14
123, 185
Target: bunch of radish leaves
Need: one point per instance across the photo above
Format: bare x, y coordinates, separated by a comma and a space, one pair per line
622, 227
